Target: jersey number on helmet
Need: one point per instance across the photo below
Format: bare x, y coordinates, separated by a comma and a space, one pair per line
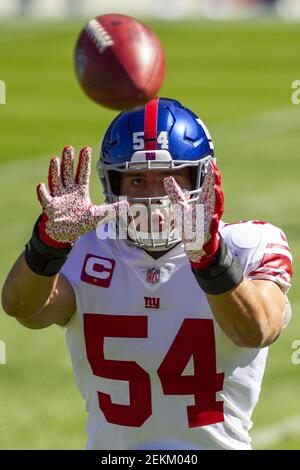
139, 144
195, 339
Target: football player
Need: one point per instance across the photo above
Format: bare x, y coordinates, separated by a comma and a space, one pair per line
168, 334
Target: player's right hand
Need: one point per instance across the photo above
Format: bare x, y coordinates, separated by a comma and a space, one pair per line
68, 212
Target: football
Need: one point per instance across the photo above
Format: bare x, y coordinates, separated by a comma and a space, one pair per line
119, 62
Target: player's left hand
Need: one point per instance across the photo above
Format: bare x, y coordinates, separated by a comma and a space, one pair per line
211, 196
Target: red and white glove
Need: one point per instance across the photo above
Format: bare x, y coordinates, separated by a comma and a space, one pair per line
211, 196
68, 212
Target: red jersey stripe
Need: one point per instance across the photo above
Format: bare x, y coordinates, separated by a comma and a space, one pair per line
270, 274
275, 261
278, 246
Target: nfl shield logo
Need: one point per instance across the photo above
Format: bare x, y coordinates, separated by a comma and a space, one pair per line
153, 275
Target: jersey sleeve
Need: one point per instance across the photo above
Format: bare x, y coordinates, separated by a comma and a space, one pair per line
262, 249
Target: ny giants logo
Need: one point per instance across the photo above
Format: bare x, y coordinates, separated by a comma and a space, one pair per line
150, 155
97, 270
152, 302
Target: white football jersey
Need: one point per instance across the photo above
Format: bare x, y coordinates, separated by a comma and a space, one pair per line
152, 364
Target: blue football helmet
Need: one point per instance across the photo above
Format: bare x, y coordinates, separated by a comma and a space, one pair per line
163, 135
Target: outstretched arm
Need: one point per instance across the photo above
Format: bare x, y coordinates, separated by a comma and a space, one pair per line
34, 292
250, 312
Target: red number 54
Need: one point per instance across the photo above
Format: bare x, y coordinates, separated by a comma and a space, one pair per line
195, 339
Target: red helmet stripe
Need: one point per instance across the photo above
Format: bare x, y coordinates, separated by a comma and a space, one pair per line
150, 125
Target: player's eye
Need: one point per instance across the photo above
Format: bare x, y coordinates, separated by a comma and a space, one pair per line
137, 181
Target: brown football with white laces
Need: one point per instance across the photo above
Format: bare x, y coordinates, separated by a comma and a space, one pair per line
119, 62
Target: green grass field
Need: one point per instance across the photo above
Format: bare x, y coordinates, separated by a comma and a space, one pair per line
237, 77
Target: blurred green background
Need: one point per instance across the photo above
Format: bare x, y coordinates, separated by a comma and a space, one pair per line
237, 77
